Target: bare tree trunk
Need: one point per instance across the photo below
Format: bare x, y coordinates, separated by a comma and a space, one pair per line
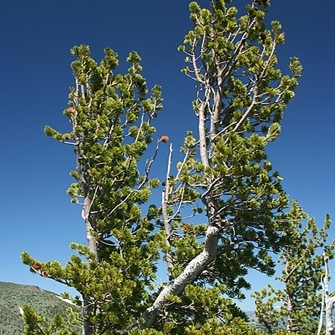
166, 220
330, 329
87, 306
322, 311
190, 273
91, 240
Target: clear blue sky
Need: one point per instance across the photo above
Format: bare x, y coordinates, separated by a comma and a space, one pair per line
36, 214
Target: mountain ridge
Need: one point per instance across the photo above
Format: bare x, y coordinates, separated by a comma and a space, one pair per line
47, 303
13, 296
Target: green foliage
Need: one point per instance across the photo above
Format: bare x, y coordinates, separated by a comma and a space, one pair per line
46, 303
111, 117
57, 326
224, 179
298, 305
241, 98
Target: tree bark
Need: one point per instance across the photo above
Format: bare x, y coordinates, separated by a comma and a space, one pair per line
330, 329
177, 285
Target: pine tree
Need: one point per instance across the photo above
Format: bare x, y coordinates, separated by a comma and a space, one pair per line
298, 304
225, 180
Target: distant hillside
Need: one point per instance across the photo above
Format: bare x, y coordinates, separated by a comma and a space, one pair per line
44, 302
14, 295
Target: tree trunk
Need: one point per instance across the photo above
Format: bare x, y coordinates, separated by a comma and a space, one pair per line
190, 273
330, 329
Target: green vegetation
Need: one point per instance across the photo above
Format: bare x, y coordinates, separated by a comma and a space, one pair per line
224, 183
13, 296
298, 305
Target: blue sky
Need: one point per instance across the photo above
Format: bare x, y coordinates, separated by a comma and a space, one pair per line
35, 76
